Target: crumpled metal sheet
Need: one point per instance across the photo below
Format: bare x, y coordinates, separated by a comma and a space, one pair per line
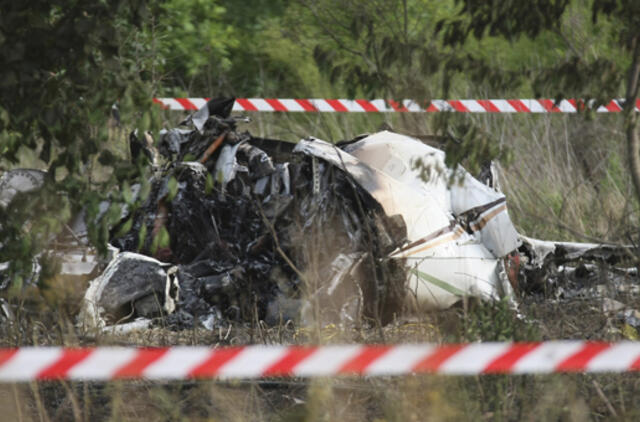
171, 141
541, 250
131, 283
449, 254
220, 107
252, 234
457, 192
421, 212
227, 165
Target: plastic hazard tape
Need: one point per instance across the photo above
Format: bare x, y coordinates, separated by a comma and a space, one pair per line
384, 106
183, 362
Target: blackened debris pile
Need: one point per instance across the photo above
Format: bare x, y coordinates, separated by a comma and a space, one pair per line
257, 231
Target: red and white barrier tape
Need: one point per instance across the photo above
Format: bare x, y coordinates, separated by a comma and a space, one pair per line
182, 362
382, 106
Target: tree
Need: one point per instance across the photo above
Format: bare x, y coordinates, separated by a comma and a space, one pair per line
507, 48
574, 76
62, 68
229, 47
389, 49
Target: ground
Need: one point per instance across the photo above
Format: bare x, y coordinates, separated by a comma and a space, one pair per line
551, 195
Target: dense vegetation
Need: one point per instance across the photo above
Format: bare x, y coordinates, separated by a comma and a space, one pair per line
574, 177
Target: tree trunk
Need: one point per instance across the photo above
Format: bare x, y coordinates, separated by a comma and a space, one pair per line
633, 141
633, 144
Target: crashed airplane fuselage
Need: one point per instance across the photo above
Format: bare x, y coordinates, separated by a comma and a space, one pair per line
267, 229
458, 229
449, 233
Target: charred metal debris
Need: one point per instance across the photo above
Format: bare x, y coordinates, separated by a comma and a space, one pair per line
252, 231
232, 227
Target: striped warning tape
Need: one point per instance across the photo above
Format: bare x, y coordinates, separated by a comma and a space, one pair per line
184, 362
382, 106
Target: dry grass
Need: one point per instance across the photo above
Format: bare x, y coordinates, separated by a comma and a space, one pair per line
424, 397
566, 180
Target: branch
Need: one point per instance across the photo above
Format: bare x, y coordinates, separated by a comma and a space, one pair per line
567, 41
278, 248
633, 141
335, 39
634, 75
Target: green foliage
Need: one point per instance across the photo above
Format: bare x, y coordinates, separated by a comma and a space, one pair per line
508, 19
51, 54
64, 64
28, 226
173, 188
467, 143
579, 70
495, 321
195, 37
229, 47
377, 48
160, 240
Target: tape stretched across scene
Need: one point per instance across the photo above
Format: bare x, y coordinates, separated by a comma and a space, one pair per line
386, 106
260, 361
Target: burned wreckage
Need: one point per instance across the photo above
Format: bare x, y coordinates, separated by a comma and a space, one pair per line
237, 227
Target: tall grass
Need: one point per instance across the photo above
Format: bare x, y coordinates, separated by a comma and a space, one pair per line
565, 179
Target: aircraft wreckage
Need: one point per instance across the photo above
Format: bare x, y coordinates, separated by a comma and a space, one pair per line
313, 231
